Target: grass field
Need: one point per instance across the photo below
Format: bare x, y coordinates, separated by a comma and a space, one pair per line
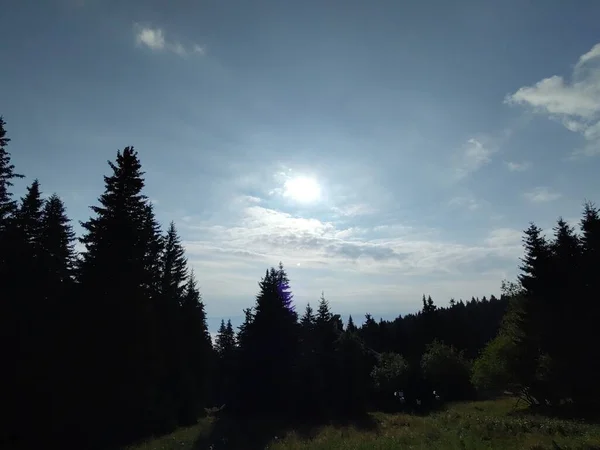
479, 425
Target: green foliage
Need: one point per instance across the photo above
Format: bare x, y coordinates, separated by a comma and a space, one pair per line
478, 425
391, 373
447, 371
493, 370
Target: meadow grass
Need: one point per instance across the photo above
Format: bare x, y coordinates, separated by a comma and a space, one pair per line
494, 424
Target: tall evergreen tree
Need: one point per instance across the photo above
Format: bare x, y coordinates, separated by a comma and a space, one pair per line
225, 349
586, 391
225, 340
198, 353
118, 274
173, 266
7, 175
269, 349
307, 321
57, 242
351, 328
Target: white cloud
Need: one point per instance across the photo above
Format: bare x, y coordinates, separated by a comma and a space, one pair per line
474, 155
542, 195
378, 269
518, 166
154, 39
575, 103
269, 235
151, 38
593, 54
353, 210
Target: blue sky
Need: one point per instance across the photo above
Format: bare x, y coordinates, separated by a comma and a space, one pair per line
434, 130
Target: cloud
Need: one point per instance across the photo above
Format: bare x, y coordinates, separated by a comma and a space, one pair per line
467, 202
589, 56
353, 210
154, 39
504, 237
542, 195
518, 166
264, 234
575, 103
474, 155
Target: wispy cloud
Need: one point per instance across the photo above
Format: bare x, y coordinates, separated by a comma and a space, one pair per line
542, 195
472, 157
467, 202
518, 166
575, 103
353, 210
269, 235
154, 39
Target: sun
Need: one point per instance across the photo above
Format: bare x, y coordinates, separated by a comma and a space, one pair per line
302, 189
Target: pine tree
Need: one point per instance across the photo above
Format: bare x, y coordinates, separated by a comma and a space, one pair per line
198, 353
57, 242
351, 328
269, 348
58, 334
588, 394
307, 321
29, 217
225, 340
173, 286
324, 315
7, 175
225, 349
11, 302
533, 315
119, 273
173, 266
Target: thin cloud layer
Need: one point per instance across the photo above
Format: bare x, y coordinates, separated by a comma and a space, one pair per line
542, 195
575, 102
474, 156
154, 39
269, 234
518, 166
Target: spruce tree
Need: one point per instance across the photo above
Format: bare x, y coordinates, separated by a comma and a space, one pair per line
269, 349
57, 240
225, 349
307, 321
11, 303
587, 390
57, 328
173, 266
225, 340
118, 274
197, 343
351, 328
7, 175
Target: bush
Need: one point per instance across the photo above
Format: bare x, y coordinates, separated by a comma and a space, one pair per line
492, 371
447, 371
390, 374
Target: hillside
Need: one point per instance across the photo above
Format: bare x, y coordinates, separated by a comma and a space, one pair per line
496, 424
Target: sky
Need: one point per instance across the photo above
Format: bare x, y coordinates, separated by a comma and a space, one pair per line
381, 150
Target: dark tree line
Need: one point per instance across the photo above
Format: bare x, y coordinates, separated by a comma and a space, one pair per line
102, 347
111, 345
547, 348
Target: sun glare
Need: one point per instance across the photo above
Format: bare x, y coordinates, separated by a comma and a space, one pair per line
302, 189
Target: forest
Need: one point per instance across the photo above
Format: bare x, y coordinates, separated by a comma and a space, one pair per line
107, 346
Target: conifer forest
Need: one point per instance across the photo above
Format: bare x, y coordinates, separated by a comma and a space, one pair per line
109, 345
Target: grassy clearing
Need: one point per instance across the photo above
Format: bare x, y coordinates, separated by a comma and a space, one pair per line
478, 425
